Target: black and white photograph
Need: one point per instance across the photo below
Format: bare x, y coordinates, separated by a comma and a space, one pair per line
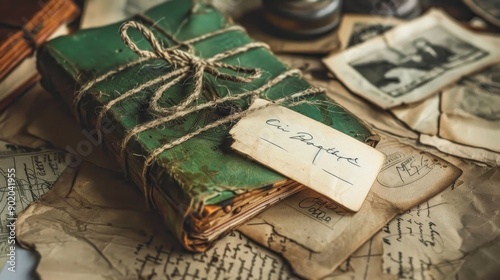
412, 61
396, 70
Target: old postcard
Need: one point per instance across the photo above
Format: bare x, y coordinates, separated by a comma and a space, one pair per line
356, 29
471, 111
316, 73
320, 236
412, 61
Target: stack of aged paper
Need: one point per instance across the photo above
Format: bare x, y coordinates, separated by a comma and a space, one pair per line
416, 72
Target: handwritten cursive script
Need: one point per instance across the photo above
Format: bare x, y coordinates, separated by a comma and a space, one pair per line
308, 139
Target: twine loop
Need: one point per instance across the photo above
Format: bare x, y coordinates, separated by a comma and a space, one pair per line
188, 65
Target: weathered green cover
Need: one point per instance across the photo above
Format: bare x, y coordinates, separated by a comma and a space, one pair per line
202, 171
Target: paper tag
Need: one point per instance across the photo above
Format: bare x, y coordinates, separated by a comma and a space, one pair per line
318, 156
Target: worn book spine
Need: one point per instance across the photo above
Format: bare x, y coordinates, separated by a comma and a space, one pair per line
200, 187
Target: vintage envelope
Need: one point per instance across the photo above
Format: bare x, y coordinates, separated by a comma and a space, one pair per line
412, 61
316, 236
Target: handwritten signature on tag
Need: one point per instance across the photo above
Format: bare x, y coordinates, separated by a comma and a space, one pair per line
308, 140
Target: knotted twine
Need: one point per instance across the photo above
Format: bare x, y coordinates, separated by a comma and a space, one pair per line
185, 65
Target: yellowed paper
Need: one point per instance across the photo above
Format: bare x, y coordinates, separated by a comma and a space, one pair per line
319, 236
412, 61
309, 152
471, 111
424, 242
422, 116
355, 29
26, 176
365, 263
23, 124
94, 224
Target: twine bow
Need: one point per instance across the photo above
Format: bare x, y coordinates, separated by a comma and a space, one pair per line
187, 64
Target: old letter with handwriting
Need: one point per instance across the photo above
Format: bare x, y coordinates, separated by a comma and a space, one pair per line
319, 236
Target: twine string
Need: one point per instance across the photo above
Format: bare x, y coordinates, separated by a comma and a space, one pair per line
178, 59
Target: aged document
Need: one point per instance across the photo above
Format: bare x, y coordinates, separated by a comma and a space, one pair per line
467, 152
93, 205
26, 176
433, 240
412, 61
471, 111
356, 29
442, 238
423, 243
103, 217
407, 178
309, 152
97, 13
421, 116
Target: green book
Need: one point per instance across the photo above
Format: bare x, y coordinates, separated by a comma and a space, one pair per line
201, 188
